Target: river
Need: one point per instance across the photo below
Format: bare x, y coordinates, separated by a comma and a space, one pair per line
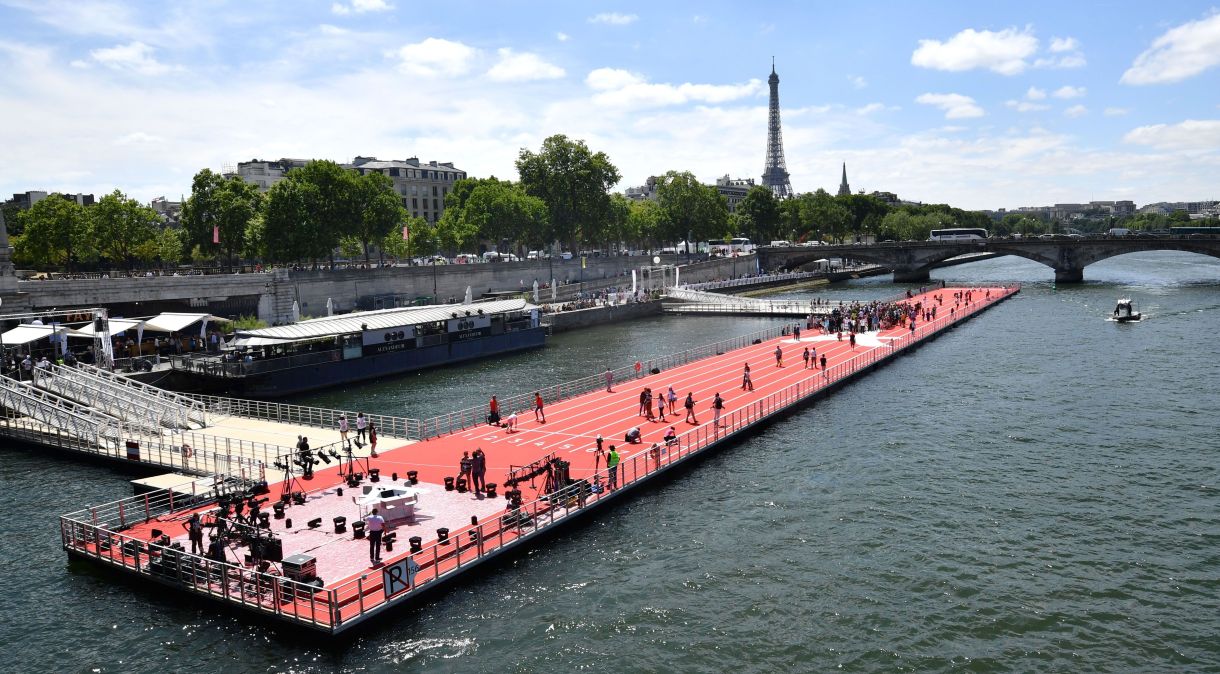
1035, 490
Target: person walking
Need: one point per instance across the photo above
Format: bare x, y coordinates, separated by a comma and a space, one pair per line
779, 356
372, 440
609, 381
661, 405
851, 337
343, 428
647, 394
813, 357
746, 383
375, 525
673, 400
805, 358
823, 362
612, 461
796, 332
690, 408
362, 427
539, 415
644, 395
717, 407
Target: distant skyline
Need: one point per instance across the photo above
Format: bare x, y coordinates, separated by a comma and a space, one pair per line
970, 104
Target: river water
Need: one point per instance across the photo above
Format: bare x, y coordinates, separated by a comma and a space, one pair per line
1036, 490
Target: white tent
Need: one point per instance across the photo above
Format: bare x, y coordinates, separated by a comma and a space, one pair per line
25, 334
116, 325
173, 322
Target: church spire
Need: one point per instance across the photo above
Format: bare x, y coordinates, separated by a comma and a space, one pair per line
844, 190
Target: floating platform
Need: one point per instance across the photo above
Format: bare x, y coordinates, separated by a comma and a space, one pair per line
294, 561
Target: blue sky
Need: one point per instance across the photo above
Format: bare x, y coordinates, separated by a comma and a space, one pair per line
977, 104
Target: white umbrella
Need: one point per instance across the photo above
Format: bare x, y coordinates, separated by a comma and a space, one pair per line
535, 291
552, 290
296, 312
469, 296
330, 307
632, 281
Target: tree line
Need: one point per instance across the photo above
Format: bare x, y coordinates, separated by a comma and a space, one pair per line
562, 199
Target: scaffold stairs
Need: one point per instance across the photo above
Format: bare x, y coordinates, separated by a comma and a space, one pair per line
187, 413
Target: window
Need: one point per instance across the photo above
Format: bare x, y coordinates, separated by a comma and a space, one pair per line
444, 191
394, 172
404, 202
434, 190
414, 203
435, 207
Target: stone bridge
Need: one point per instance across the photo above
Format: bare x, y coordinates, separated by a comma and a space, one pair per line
912, 260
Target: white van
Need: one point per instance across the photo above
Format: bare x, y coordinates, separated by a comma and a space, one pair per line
1119, 231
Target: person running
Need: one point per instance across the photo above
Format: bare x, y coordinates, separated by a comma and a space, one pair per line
539, 415
690, 408
779, 356
717, 407
746, 383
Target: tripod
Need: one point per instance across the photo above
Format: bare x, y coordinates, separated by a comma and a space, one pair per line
285, 463
351, 462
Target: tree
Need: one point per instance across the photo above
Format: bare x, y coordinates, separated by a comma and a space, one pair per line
759, 213
573, 181
644, 219
170, 246
822, 213
55, 231
865, 212
307, 213
219, 208
691, 209
381, 210
502, 211
121, 226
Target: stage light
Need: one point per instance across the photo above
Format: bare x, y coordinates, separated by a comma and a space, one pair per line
339, 491
449, 483
374, 475
413, 476
315, 523
324, 457
394, 477
278, 507
358, 529
288, 523
340, 524
333, 453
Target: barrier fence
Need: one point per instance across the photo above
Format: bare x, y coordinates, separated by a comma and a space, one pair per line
349, 602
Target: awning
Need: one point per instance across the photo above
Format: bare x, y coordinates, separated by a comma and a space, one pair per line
24, 334
257, 341
117, 325
171, 322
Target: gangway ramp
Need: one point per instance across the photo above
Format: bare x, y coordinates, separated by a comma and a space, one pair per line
137, 411
194, 411
682, 300
38, 407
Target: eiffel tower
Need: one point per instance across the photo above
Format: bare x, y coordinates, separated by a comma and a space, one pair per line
775, 175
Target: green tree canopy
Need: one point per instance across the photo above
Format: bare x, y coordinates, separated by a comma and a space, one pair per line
381, 210
121, 226
759, 214
574, 182
55, 231
644, 218
502, 211
222, 206
690, 208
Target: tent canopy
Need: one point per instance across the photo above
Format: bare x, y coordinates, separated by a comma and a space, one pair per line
24, 334
172, 322
117, 325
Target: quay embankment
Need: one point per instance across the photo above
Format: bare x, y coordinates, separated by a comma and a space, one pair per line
550, 458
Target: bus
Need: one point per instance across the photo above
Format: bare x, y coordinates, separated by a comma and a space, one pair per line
735, 246
959, 234
1187, 231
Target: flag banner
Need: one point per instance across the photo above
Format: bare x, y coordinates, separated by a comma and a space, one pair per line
215, 233
406, 233
583, 262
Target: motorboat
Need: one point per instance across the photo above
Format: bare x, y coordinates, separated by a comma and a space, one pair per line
1124, 311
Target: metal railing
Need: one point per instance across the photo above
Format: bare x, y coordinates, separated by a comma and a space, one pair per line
754, 280
301, 415
195, 412
214, 365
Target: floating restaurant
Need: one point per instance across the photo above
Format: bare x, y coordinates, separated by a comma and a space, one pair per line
333, 350
297, 550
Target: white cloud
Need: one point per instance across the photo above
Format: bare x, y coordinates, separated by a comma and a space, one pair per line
436, 56
562, 37
857, 81
1068, 91
360, 7
138, 137
1062, 44
1115, 112
1035, 94
136, 57
523, 67
1076, 111
1181, 52
956, 106
623, 89
1026, 106
614, 18
1192, 134
1004, 52
870, 109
